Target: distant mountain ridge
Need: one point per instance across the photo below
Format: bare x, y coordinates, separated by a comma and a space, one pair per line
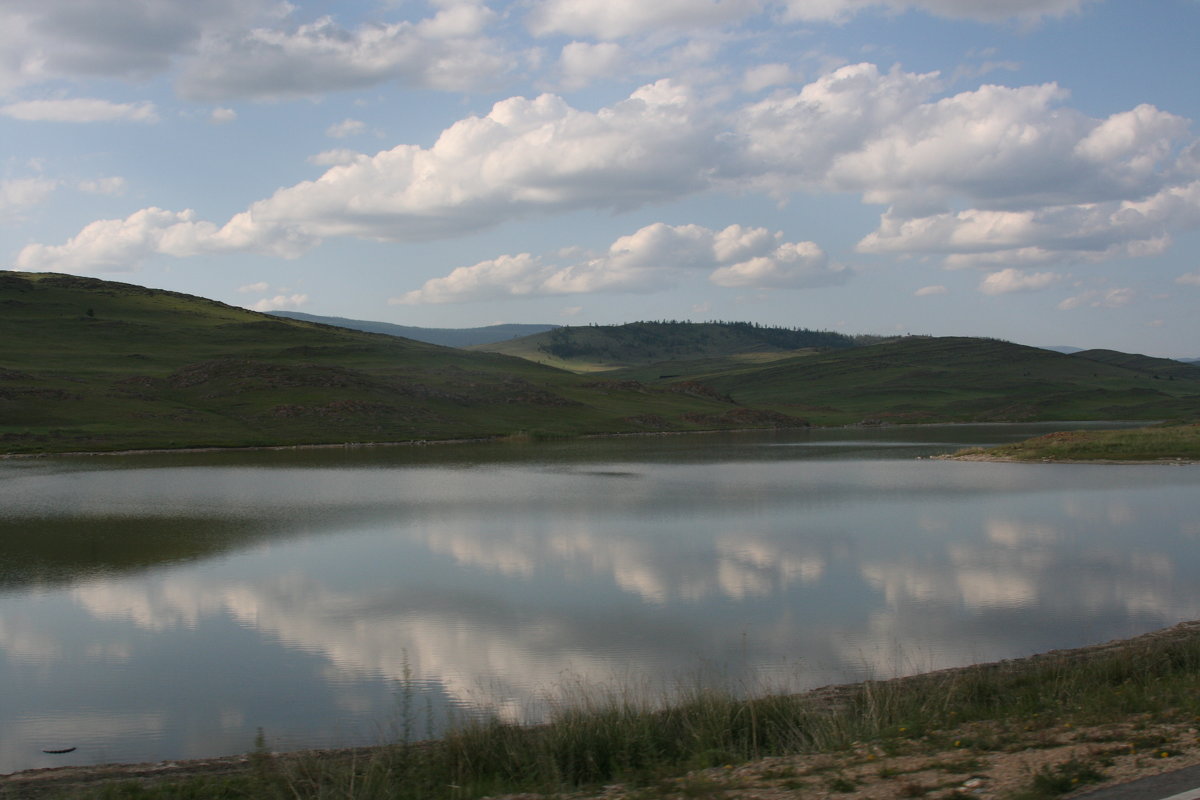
447, 337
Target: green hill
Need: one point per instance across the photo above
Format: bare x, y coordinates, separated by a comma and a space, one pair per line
95, 365
603, 347
448, 337
927, 379
1156, 368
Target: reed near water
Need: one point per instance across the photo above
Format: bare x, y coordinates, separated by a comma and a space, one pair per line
609, 736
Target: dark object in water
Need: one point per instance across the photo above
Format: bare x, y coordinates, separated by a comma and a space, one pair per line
56, 750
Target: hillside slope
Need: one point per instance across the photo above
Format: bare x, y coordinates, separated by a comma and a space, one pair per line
95, 365
604, 347
927, 379
1155, 368
447, 337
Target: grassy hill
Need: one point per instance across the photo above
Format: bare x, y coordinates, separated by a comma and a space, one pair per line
1156, 368
604, 347
95, 365
448, 337
927, 379
1178, 443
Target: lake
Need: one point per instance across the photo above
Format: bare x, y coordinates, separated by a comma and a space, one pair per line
168, 606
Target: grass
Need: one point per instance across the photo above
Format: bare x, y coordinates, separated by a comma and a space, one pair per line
1176, 441
612, 737
90, 365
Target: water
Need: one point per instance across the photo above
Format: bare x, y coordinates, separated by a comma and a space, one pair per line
169, 606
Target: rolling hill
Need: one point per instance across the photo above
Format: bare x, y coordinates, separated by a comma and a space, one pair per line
930, 379
447, 337
91, 365
604, 347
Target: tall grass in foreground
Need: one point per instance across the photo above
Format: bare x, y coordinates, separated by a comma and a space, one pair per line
609, 736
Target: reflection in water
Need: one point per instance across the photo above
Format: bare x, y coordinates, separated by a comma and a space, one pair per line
169, 608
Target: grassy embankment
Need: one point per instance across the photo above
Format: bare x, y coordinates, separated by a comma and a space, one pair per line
1173, 442
971, 712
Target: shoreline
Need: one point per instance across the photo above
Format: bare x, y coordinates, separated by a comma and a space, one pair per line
1167, 462
516, 438
62, 781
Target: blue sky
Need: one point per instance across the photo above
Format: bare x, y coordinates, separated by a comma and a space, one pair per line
1023, 169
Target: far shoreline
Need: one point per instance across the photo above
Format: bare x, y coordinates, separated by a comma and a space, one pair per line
517, 438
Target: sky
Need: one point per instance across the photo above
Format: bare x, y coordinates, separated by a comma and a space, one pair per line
1021, 169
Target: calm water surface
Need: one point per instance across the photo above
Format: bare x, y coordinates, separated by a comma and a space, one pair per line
160, 607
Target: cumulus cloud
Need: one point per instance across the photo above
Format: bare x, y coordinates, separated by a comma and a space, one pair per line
255, 288
1027, 11
994, 178
337, 157
927, 291
765, 76
347, 127
18, 194
121, 245
1085, 231
446, 51
281, 302
220, 116
612, 19
526, 156
1099, 298
1014, 280
113, 186
80, 109
47, 39
245, 48
581, 62
653, 258
1189, 279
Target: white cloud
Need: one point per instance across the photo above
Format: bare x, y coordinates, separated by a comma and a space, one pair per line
927, 291
18, 194
254, 288
655, 257
347, 127
581, 62
526, 156
339, 156
1085, 231
1189, 279
113, 186
1014, 280
47, 39
281, 302
116, 245
220, 116
610, 19
446, 51
993, 178
765, 76
792, 265
1099, 298
986, 11
81, 109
